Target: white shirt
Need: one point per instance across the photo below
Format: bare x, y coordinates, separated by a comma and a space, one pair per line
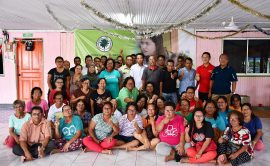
52, 111
117, 114
127, 127
136, 71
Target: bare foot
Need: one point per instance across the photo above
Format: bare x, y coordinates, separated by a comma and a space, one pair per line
107, 152
40, 152
170, 156
23, 159
184, 160
55, 151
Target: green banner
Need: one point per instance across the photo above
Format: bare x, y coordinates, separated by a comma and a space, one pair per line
96, 43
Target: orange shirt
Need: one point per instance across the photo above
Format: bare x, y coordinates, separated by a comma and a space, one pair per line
205, 76
33, 134
234, 109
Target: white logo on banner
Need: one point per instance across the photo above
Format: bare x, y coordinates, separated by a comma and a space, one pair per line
104, 43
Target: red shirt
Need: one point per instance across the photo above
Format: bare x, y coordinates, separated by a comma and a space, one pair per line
205, 76
192, 105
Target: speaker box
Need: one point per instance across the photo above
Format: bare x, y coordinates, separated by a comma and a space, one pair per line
29, 45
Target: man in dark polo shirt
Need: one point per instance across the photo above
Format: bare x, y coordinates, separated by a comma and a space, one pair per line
168, 83
152, 73
223, 79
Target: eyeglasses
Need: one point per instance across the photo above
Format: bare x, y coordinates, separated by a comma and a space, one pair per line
19, 106
199, 116
67, 109
132, 110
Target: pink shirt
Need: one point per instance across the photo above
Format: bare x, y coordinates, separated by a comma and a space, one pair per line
172, 131
43, 104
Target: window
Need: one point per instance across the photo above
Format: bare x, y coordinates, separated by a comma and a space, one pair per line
1, 58
248, 56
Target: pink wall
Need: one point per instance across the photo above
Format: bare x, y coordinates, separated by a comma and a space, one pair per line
258, 88
54, 44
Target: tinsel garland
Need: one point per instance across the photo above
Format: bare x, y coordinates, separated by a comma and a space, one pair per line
261, 30
150, 31
55, 18
248, 9
217, 37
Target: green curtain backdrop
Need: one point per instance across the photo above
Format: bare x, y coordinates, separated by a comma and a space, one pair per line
86, 43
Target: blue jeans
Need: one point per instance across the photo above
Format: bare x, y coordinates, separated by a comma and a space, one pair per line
170, 97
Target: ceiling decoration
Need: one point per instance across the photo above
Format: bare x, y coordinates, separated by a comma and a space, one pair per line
154, 16
248, 9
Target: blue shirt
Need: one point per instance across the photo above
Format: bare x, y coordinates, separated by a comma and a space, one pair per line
68, 130
222, 80
253, 126
111, 81
224, 116
187, 80
217, 123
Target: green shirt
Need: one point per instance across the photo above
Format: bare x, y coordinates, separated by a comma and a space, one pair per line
125, 93
188, 118
102, 129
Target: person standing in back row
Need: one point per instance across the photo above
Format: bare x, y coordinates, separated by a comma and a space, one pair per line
203, 76
223, 79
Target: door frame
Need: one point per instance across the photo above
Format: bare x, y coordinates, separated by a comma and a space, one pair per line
16, 40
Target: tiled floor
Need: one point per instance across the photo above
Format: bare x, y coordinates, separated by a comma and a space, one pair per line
119, 158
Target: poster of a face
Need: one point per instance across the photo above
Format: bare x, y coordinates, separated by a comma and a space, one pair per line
155, 46
152, 46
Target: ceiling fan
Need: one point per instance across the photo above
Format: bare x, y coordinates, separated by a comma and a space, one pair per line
232, 26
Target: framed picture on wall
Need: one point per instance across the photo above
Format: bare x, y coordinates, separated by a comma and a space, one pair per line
1, 58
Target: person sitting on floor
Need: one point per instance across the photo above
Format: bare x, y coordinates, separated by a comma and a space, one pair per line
234, 146
129, 124
171, 134
34, 137
217, 122
102, 129
83, 114
224, 110
200, 135
149, 135
184, 111
235, 103
36, 100
15, 123
68, 132
254, 125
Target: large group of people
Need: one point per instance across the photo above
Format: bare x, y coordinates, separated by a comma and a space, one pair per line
127, 104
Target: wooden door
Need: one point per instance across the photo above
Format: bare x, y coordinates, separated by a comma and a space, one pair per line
29, 69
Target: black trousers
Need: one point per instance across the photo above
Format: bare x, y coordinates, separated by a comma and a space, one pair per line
17, 150
203, 96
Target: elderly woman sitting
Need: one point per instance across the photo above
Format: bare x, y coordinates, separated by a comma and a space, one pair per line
68, 132
16, 122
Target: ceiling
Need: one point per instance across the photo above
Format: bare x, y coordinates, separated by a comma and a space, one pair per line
33, 15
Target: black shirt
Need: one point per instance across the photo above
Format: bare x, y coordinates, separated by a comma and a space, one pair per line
99, 99
64, 74
199, 135
169, 84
